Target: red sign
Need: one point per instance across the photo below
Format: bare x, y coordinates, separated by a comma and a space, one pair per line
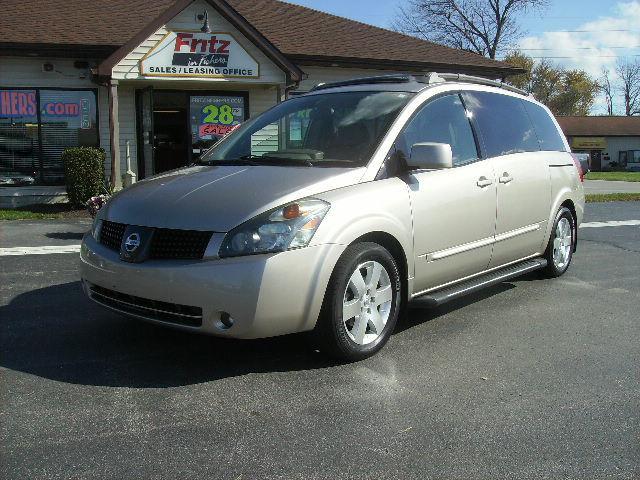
215, 129
14, 103
210, 44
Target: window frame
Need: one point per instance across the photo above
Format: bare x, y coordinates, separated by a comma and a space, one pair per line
39, 181
472, 125
474, 121
535, 129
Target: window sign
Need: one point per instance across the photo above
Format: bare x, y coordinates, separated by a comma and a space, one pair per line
198, 54
67, 118
19, 141
212, 117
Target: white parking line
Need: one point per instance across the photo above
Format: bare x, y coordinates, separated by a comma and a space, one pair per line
611, 223
44, 250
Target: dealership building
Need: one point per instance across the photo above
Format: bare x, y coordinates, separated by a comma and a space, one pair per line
609, 140
154, 82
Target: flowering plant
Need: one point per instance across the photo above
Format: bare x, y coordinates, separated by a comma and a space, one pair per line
96, 203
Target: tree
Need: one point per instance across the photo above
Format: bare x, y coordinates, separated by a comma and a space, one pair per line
480, 26
629, 75
607, 89
565, 92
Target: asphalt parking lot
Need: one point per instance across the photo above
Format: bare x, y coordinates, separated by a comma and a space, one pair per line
529, 379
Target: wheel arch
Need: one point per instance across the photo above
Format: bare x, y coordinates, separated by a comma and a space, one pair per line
394, 247
568, 203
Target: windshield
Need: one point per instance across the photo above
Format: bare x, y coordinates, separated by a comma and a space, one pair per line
332, 129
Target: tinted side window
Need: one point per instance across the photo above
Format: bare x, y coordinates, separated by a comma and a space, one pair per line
548, 136
503, 122
443, 120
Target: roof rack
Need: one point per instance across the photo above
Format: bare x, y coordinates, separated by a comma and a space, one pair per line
426, 78
365, 81
461, 77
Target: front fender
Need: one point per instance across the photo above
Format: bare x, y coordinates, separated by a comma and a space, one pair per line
377, 206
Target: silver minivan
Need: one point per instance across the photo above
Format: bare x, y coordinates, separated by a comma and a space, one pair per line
333, 210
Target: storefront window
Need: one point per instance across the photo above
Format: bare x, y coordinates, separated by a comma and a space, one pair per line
19, 145
212, 117
35, 128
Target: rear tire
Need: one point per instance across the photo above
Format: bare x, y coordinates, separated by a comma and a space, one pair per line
561, 244
361, 305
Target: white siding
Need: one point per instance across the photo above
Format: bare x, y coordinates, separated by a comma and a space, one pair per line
127, 68
127, 120
617, 144
27, 72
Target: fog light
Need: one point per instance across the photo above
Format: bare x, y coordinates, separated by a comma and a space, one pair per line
226, 320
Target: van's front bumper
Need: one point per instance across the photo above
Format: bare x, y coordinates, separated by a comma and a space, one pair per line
264, 295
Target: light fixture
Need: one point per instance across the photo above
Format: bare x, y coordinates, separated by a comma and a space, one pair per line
205, 26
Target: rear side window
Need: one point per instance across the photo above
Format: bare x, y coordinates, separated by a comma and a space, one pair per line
443, 120
503, 123
548, 136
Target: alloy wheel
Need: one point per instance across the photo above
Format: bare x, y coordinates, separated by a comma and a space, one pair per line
562, 243
367, 302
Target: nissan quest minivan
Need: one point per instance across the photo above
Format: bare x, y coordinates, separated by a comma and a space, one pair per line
333, 210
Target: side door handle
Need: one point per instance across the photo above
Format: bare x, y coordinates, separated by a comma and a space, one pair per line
484, 182
505, 178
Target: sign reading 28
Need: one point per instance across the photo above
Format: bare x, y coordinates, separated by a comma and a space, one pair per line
222, 114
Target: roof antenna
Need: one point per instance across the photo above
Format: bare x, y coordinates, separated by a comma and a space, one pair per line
205, 26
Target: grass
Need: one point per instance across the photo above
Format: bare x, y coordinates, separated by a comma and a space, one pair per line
614, 176
43, 212
613, 197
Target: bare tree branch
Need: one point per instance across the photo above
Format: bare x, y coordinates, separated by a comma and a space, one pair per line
629, 75
606, 89
481, 26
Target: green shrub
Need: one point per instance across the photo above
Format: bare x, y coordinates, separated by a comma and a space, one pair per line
84, 173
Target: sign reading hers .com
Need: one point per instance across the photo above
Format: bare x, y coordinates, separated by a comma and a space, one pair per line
197, 54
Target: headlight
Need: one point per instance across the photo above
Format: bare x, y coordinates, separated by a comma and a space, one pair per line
287, 227
95, 229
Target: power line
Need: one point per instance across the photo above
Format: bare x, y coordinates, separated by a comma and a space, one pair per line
581, 56
573, 48
587, 31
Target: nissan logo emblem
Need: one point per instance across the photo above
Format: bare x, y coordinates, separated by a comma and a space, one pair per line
132, 242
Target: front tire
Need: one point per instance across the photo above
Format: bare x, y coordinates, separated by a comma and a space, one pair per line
561, 243
361, 305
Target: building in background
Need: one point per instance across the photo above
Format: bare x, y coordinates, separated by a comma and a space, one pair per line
154, 83
611, 142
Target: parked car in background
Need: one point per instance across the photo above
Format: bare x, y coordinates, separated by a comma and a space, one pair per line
585, 161
333, 210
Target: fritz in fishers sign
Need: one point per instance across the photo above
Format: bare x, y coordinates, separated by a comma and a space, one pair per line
198, 54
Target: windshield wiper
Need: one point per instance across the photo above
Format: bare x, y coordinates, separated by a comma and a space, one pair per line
270, 159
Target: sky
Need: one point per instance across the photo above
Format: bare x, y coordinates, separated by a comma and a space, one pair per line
585, 34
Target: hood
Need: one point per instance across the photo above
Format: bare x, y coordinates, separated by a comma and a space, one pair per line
218, 198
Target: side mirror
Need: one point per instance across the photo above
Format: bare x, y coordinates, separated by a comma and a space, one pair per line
430, 156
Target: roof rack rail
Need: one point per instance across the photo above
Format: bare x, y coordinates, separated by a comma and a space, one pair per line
399, 78
461, 77
428, 78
